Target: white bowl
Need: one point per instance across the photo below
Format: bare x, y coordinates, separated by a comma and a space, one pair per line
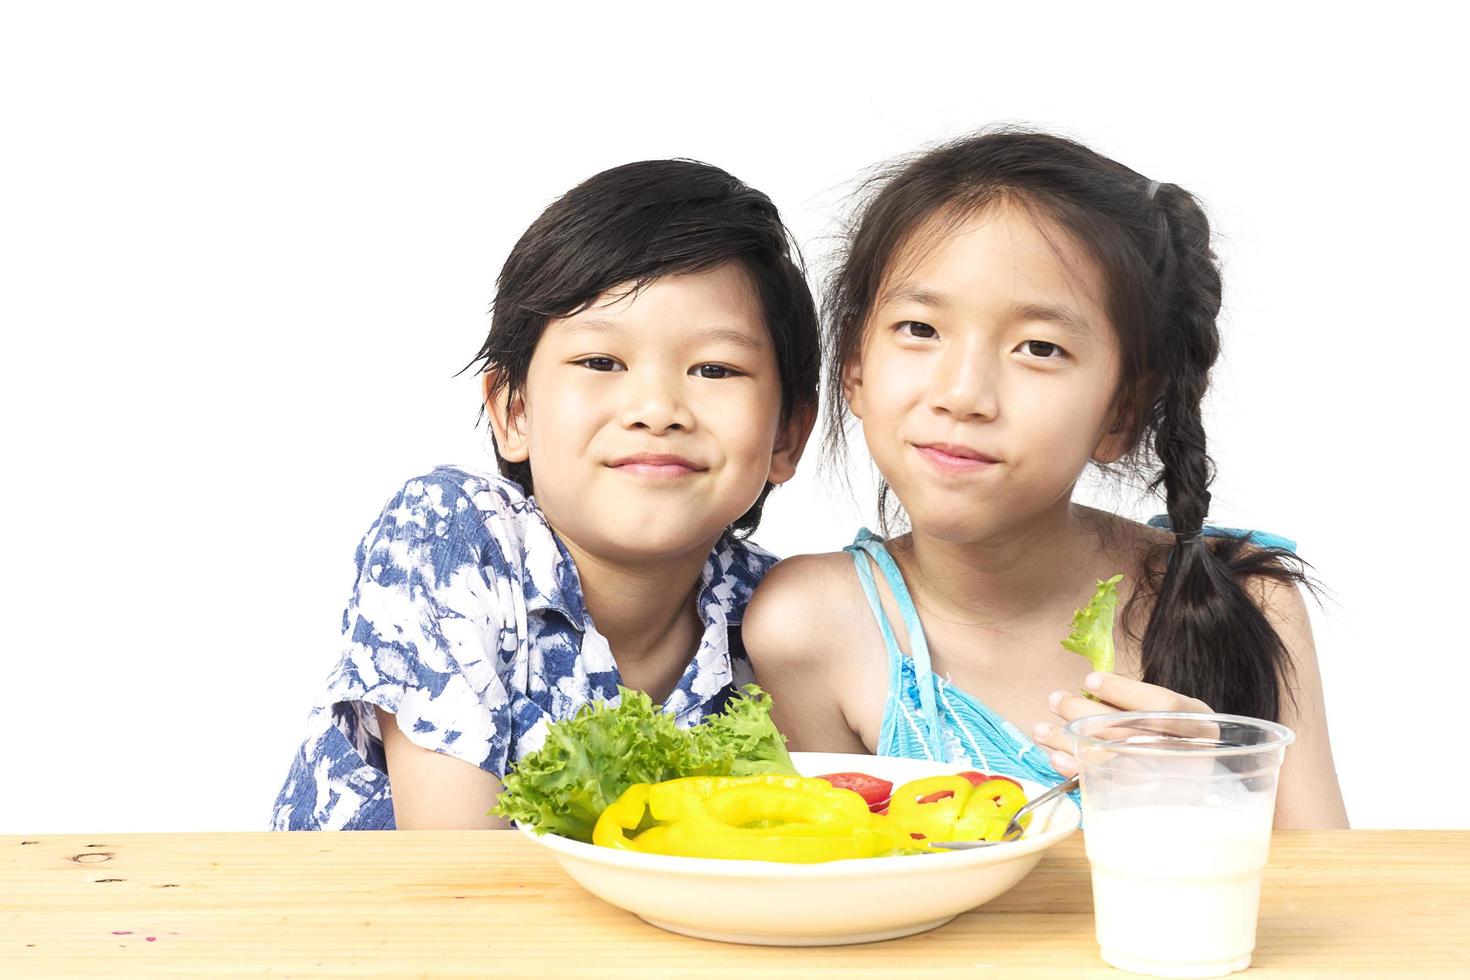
854, 901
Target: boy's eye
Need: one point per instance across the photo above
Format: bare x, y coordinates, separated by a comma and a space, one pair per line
715, 371
599, 363
1042, 349
917, 329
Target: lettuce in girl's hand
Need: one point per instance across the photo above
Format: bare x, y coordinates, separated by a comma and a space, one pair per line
588, 760
1092, 627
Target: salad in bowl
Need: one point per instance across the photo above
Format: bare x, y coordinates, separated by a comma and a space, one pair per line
717, 831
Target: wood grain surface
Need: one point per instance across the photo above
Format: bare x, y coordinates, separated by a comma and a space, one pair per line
490, 903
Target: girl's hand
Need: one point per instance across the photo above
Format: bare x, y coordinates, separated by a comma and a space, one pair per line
1116, 694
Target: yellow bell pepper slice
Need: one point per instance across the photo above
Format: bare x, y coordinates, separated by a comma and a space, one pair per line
622, 815
934, 819
989, 809
758, 818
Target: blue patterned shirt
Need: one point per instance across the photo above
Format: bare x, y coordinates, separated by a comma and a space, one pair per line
467, 623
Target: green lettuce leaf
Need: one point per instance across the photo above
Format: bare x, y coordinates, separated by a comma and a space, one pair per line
746, 730
1092, 627
588, 760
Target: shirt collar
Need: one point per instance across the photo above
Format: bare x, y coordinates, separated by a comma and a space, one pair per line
550, 580
731, 573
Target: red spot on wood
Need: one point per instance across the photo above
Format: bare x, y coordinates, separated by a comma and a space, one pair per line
151, 939
122, 932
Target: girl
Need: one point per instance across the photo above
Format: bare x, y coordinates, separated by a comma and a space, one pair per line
650, 373
1010, 308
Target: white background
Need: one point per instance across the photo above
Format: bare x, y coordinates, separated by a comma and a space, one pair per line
245, 248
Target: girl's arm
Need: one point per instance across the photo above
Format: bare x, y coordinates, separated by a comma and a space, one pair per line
434, 791
1308, 796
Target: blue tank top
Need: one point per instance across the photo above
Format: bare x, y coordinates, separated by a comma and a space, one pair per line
927, 717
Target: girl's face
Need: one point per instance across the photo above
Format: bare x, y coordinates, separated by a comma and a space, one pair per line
987, 374
652, 421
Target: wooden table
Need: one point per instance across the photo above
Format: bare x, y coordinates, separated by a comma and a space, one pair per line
489, 903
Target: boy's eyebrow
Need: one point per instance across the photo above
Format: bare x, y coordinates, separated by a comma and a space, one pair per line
731, 336
592, 325
728, 335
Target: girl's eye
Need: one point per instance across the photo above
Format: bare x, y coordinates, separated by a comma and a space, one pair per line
916, 329
1043, 349
599, 363
715, 371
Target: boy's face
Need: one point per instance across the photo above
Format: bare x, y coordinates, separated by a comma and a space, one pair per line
652, 421
986, 376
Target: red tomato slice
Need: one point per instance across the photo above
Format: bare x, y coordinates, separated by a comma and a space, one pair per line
976, 777
1007, 779
874, 791
936, 796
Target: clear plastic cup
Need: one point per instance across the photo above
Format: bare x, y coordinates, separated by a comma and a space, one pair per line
1177, 812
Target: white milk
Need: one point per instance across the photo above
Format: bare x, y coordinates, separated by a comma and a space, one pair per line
1176, 888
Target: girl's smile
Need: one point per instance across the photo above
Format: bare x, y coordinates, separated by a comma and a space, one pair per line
991, 359
948, 457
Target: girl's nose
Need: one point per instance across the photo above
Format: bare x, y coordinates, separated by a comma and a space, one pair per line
964, 385
656, 404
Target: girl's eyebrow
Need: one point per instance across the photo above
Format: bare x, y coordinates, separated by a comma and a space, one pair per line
1067, 319
910, 293
1064, 317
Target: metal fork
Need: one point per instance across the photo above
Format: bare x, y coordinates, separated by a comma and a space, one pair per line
1013, 829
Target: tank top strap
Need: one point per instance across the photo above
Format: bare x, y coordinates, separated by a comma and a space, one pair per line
1261, 539
869, 548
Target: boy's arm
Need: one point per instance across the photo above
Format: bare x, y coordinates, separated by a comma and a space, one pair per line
434, 791
794, 634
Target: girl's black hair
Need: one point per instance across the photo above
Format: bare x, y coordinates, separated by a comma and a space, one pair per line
1205, 637
631, 225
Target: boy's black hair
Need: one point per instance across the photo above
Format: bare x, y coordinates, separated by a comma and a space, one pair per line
634, 224
1206, 637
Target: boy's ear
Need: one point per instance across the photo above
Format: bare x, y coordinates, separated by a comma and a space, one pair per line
790, 442
507, 419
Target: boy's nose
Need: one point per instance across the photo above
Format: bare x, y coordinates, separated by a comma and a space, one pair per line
658, 405
964, 385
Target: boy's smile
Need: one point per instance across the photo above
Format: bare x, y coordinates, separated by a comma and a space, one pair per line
651, 419
656, 466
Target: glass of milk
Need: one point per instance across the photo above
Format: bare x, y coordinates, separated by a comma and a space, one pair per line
1177, 812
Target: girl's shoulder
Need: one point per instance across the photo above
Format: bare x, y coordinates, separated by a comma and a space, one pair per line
1135, 545
1125, 545
804, 605
1140, 551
